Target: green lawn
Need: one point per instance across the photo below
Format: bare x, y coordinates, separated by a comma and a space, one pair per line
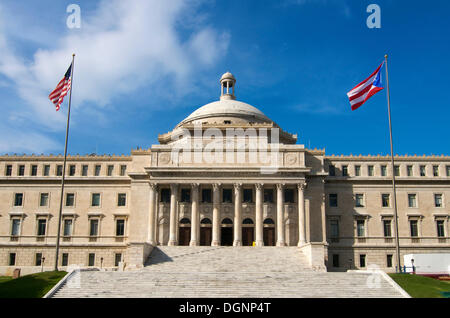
421, 287
29, 286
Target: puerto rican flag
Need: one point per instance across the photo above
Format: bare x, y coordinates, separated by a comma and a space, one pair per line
366, 89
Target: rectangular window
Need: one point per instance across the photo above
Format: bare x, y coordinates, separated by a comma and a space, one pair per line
413, 228
362, 260
206, 196
422, 171
15, 228
65, 259
333, 200
357, 171
34, 170
332, 170
21, 170
42, 226
84, 170
44, 199
122, 199
18, 199
165, 195
95, 199
46, 171
12, 259
8, 171
120, 227
440, 228
288, 195
387, 228
409, 171
438, 200
117, 259
370, 171
248, 196
70, 199
123, 170
448, 170
72, 169
268, 195
110, 170
91, 259
38, 259
397, 171
59, 169
360, 228
93, 227
186, 195
412, 203
383, 171
67, 227
389, 260
344, 171
359, 200
436, 171
98, 168
227, 196
385, 200
335, 260
334, 227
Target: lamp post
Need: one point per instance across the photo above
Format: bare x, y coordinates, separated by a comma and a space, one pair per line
42, 264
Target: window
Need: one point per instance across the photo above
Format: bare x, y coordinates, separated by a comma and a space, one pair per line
268, 195
436, 171
409, 171
413, 228
8, 171
98, 168
110, 170
123, 170
370, 171
18, 199
185, 195
38, 258
93, 227
227, 195
334, 227
95, 199
117, 259
91, 261
383, 171
360, 228
72, 169
34, 170
335, 260
21, 170
333, 200
362, 260
438, 200
288, 195
422, 171
397, 171
59, 169
389, 260
122, 199
12, 259
248, 196
344, 171
448, 170
357, 171
46, 171
332, 170
15, 227
67, 227
84, 170
387, 228
120, 227
165, 195
206, 196
440, 228
412, 203
44, 199
385, 200
65, 259
70, 199
359, 200
42, 225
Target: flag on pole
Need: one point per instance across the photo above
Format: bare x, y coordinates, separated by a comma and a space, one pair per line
366, 89
57, 96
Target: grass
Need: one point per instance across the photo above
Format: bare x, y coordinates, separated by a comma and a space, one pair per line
29, 286
420, 286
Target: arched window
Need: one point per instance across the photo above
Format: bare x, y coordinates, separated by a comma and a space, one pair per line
269, 221
247, 221
206, 221
227, 221
185, 221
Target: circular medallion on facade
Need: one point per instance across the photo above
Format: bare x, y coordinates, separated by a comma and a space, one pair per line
291, 159
164, 158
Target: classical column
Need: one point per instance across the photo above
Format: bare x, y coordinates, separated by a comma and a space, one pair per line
151, 217
173, 215
280, 216
216, 216
195, 217
237, 214
259, 215
301, 214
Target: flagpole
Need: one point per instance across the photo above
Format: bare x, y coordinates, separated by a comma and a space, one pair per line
64, 167
397, 243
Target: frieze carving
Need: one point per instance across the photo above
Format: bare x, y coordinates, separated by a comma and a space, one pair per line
164, 158
291, 159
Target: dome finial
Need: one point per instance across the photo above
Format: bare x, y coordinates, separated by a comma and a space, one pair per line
227, 81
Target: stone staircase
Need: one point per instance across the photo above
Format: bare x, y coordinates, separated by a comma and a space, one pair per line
216, 272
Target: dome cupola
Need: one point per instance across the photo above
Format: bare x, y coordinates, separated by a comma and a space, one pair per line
227, 84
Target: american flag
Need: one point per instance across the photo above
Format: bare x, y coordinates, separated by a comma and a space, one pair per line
57, 96
366, 89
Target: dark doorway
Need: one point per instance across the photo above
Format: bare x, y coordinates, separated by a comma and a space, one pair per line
205, 232
184, 232
269, 232
248, 232
226, 238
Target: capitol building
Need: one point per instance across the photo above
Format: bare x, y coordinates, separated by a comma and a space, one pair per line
227, 175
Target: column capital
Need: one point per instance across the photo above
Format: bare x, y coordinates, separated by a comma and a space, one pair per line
153, 186
302, 186
237, 186
259, 186
280, 186
216, 186
174, 187
195, 185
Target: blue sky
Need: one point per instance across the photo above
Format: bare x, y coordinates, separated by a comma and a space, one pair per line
143, 66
